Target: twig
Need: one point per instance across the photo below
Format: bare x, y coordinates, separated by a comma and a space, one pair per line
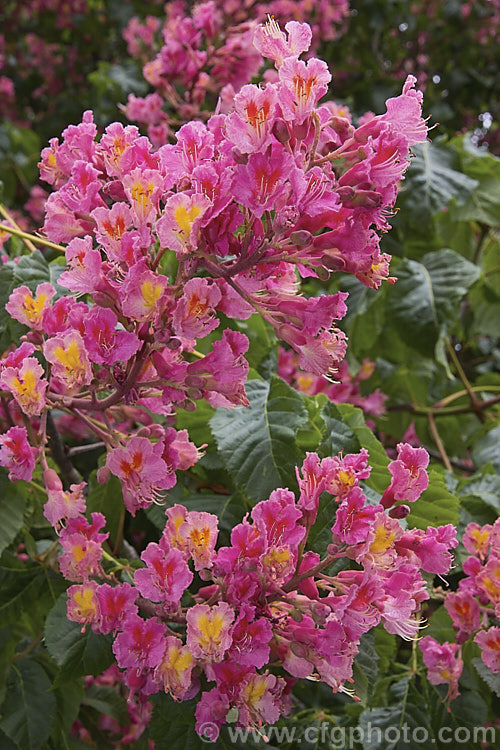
437, 440
14, 223
69, 474
32, 237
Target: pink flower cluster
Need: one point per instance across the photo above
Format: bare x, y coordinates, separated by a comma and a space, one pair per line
470, 608
206, 52
264, 599
278, 188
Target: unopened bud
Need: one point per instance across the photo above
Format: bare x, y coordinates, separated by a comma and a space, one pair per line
346, 193
280, 131
301, 237
296, 615
51, 480
300, 131
333, 262
194, 381
238, 157
103, 475
173, 343
399, 511
188, 405
323, 273
194, 393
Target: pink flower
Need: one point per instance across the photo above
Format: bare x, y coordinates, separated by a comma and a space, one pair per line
105, 345
143, 188
142, 472
81, 558
29, 309
141, 643
354, 518
166, 576
70, 362
250, 126
476, 539
16, 454
251, 638
444, 664
85, 264
62, 504
209, 630
272, 42
177, 228
489, 643
463, 609
409, 476
277, 519
211, 712
200, 532
82, 604
405, 113
142, 292
302, 85
174, 670
194, 314
27, 384
115, 604
261, 183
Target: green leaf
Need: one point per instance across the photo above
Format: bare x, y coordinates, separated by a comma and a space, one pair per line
366, 667
172, 724
21, 585
436, 506
76, 653
426, 296
11, 510
440, 626
29, 709
106, 700
432, 182
487, 451
106, 499
491, 679
483, 204
258, 442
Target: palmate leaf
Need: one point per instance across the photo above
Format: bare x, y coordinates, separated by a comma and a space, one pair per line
258, 442
29, 710
436, 506
433, 182
11, 510
425, 299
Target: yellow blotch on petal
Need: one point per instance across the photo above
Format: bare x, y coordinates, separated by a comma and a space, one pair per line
178, 660
210, 629
26, 387
70, 357
255, 691
185, 217
78, 552
85, 601
346, 478
150, 293
33, 307
383, 540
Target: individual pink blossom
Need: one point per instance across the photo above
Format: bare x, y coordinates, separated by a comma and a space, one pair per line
225, 370
259, 699
405, 113
211, 712
115, 604
69, 359
81, 192
141, 643
277, 519
62, 504
194, 315
83, 606
488, 580
16, 454
104, 343
142, 292
177, 228
27, 384
251, 638
142, 472
262, 182
29, 309
489, 643
409, 476
112, 225
311, 485
85, 264
476, 539
463, 609
166, 575
274, 43
209, 630
174, 670
250, 126
354, 518
444, 664
302, 85
143, 188
200, 532
276, 566
81, 558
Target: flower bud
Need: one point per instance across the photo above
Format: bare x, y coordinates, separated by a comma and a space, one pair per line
301, 237
280, 131
238, 157
103, 474
400, 511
